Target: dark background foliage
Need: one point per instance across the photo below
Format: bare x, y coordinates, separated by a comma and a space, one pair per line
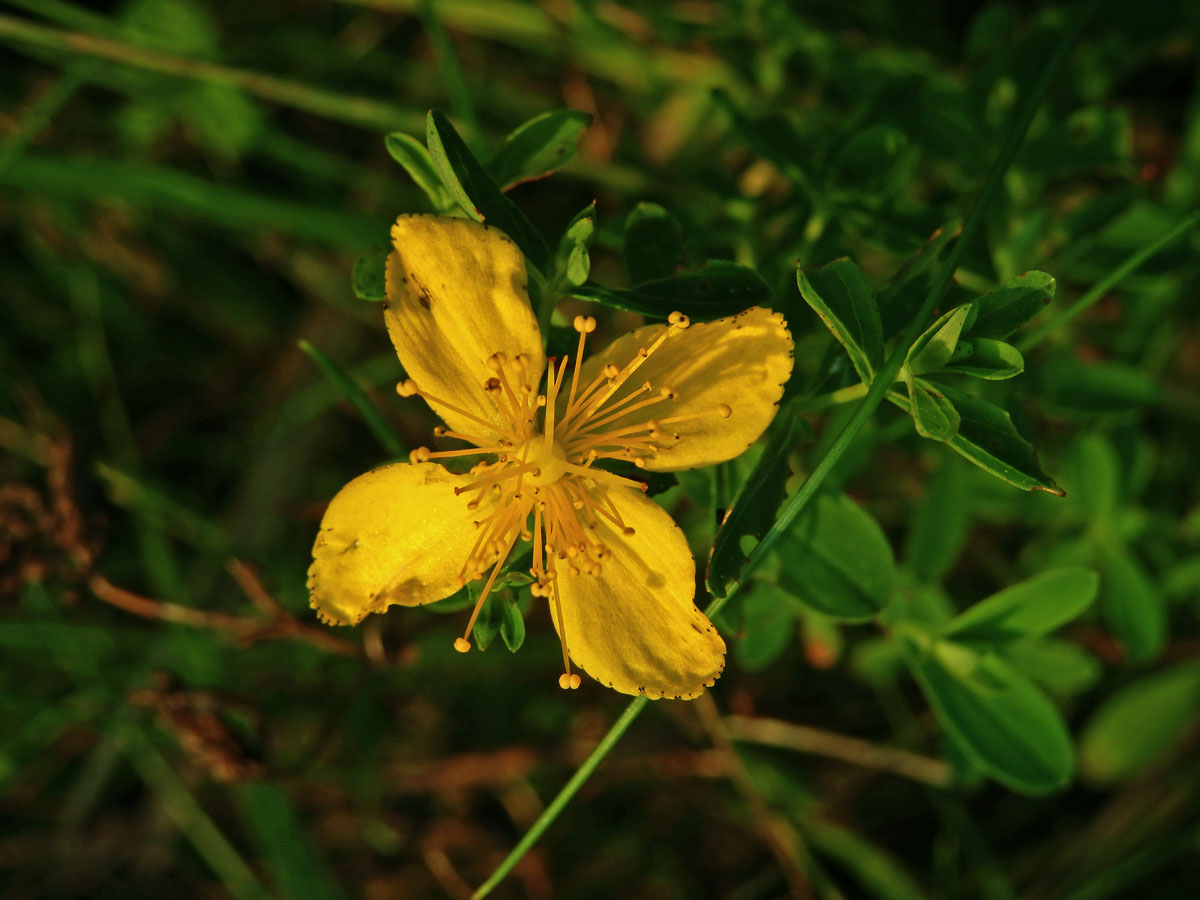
184, 190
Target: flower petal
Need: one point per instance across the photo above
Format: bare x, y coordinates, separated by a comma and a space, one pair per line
396, 535
742, 362
458, 292
634, 626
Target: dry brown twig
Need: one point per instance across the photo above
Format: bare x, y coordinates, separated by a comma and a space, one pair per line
778, 834
60, 525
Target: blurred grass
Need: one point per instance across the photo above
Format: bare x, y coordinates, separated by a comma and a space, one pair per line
183, 192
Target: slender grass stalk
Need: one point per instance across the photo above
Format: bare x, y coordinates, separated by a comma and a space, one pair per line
1107, 283
451, 72
357, 397
582, 774
364, 111
875, 395
42, 111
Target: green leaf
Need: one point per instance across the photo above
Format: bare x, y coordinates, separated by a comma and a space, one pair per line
653, 243
752, 511
933, 415
538, 147
417, 162
474, 190
1095, 477
512, 623
1030, 608
1107, 387
1087, 140
873, 159
933, 349
1137, 726
1132, 605
840, 296
985, 358
1003, 311
357, 398
299, 869
491, 617
1061, 667
997, 717
837, 560
769, 623
939, 524
987, 437
369, 276
718, 288
573, 260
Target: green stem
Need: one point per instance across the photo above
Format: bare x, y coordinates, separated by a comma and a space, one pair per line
41, 111
569, 790
1106, 284
874, 397
362, 111
452, 75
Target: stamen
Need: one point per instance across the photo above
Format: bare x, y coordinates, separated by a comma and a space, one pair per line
606, 477
554, 382
495, 478
585, 325
567, 680
408, 388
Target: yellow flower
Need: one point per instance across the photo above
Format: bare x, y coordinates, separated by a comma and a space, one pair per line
616, 571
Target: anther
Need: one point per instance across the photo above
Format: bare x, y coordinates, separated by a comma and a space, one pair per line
611, 371
725, 410
462, 645
564, 681
679, 320
497, 361
439, 431
584, 324
628, 532
668, 392
406, 388
492, 385
420, 455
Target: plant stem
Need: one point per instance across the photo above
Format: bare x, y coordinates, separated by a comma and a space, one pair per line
1107, 283
569, 790
363, 111
874, 397
451, 72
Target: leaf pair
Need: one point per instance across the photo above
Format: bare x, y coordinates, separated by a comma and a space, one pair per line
452, 179
1003, 723
963, 341
655, 259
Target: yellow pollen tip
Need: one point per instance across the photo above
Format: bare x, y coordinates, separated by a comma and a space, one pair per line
492, 385
679, 320
462, 645
564, 681
668, 392
406, 388
725, 410
584, 324
439, 431
611, 371
497, 361
420, 455
628, 532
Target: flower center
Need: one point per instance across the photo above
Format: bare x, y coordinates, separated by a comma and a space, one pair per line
548, 475
548, 459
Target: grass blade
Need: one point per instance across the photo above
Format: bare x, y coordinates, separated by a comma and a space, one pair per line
357, 398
